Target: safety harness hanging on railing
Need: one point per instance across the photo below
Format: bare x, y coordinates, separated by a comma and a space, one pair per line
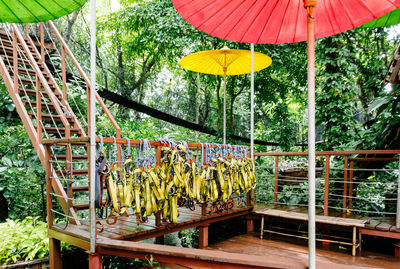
176, 181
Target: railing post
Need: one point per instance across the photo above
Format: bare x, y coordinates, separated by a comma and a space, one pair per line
64, 77
159, 239
41, 43
38, 110
15, 59
276, 180
351, 185
49, 199
326, 191
346, 159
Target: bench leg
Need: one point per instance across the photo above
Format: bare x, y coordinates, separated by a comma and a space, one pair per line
353, 249
262, 228
359, 240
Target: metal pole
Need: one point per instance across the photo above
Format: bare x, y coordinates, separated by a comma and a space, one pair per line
311, 136
224, 140
92, 124
252, 103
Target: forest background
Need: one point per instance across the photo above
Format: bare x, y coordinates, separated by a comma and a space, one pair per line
139, 46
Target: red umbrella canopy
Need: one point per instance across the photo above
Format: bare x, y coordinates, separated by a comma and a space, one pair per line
278, 21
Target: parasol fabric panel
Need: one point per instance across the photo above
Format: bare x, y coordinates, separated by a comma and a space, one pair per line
278, 21
392, 18
236, 62
27, 11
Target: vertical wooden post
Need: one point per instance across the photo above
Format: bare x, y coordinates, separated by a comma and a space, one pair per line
38, 110
346, 158
15, 59
326, 191
64, 77
49, 199
276, 180
203, 236
41, 43
159, 239
55, 253
95, 261
353, 247
203, 230
351, 185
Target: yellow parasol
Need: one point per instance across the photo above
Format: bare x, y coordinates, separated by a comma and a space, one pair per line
226, 62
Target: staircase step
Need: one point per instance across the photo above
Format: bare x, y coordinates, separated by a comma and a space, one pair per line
79, 189
51, 117
33, 103
74, 157
74, 172
61, 130
78, 207
9, 43
32, 92
6, 50
31, 81
23, 70
8, 60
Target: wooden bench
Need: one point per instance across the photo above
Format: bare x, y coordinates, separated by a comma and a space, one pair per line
347, 222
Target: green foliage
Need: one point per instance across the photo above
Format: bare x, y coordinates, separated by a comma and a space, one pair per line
112, 262
21, 173
189, 238
24, 240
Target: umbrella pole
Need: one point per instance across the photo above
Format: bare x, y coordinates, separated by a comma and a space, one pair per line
311, 132
224, 138
92, 125
252, 103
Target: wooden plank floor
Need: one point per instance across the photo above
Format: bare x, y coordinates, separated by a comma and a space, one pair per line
127, 227
383, 224
251, 244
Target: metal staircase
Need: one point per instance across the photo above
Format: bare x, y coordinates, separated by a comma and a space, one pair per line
41, 100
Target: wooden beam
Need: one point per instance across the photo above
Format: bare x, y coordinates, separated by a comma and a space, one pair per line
55, 253
71, 140
192, 257
326, 190
336, 153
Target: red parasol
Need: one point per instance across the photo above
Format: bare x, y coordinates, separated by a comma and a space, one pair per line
278, 21
284, 21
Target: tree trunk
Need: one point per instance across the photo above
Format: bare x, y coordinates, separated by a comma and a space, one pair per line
3, 207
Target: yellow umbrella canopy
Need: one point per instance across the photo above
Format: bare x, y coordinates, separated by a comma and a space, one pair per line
226, 62
233, 61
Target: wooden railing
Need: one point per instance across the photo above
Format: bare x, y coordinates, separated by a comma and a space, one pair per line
348, 173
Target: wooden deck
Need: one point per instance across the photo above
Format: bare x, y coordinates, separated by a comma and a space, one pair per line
296, 252
127, 228
376, 226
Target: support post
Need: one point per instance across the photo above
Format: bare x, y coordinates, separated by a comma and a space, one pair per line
353, 247
38, 110
310, 5
224, 131
346, 160
203, 236
203, 230
351, 185
276, 180
49, 199
15, 62
95, 261
41, 43
55, 253
326, 191
262, 227
64, 77
92, 124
